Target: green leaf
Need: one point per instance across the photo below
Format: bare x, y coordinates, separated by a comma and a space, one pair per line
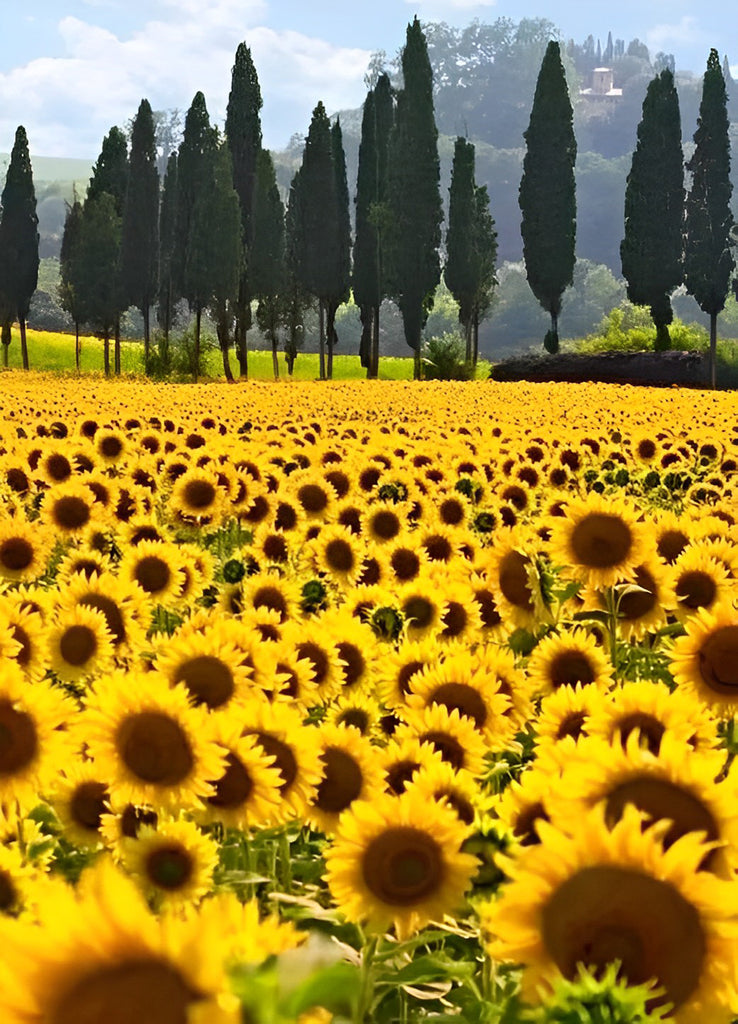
335, 987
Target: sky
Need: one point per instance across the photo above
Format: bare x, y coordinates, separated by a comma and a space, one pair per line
70, 69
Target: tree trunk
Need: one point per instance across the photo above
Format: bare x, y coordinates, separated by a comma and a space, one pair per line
713, 350
242, 349
551, 341
106, 351
145, 312
331, 338
468, 352
290, 360
24, 342
321, 319
225, 342
374, 346
416, 362
7, 337
275, 359
475, 343
77, 349
196, 360
117, 347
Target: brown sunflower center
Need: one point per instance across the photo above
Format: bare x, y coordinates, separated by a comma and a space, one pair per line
16, 554
354, 666
464, 698
604, 913
488, 609
209, 680
317, 658
155, 748
112, 613
400, 773
356, 717
235, 785
572, 725
386, 524
660, 799
650, 728
513, 579
275, 548
406, 673
111, 446
670, 545
339, 556
637, 603
403, 866
284, 758
447, 746
88, 804
454, 619
419, 612
8, 893
438, 548
458, 802
77, 645
313, 498
18, 739
405, 563
718, 660
71, 512
152, 574
144, 992
341, 783
199, 494
58, 467
570, 667
525, 826
271, 598
169, 866
451, 512
696, 589
601, 540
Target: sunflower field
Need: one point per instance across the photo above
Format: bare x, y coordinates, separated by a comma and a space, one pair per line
367, 702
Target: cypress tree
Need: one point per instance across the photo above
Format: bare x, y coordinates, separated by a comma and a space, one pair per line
368, 278
110, 172
708, 260
192, 172
651, 251
414, 208
243, 132
297, 299
139, 249
267, 253
70, 297
18, 244
341, 289
547, 195
97, 268
167, 242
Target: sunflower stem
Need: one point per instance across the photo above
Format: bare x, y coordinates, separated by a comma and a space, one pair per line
363, 1004
612, 626
285, 862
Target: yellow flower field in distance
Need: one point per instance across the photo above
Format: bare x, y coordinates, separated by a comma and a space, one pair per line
366, 701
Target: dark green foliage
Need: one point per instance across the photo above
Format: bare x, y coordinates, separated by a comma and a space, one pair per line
708, 260
167, 241
471, 246
139, 250
110, 173
296, 298
69, 290
414, 204
651, 251
548, 191
243, 132
192, 172
368, 278
267, 255
444, 359
18, 243
342, 266
98, 253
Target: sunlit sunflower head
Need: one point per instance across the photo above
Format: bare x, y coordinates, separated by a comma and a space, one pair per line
80, 644
422, 605
338, 553
678, 785
652, 709
356, 711
602, 895
24, 637
701, 580
453, 736
80, 798
248, 937
510, 565
398, 862
24, 549
442, 783
270, 589
85, 560
564, 718
705, 661
492, 626
311, 643
295, 748
569, 658
357, 649
672, 534
349, 772
69, 509
152, 744
124, 605
599, 541
172, 863
643, 600
155, 567
314, 496
34, 736
196, 498
292, 677
401, 761
111, 446
97, 953
384, 522
397, 668
525, 803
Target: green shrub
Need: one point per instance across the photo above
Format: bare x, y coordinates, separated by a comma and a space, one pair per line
444, 358
182, 352
629, 328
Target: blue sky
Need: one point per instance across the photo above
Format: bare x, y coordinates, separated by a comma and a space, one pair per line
69, 69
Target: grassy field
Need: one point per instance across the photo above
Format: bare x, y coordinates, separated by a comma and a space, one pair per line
52, 351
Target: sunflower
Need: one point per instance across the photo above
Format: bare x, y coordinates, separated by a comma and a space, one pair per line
272, 590
80, 798
357, 711
357, 649
700, 581
24, 549
569, 658
295, 748
399, 862
247, 795
564, 717
172, 863
152, 745
314, 496
492, 627
123, 604
313, 644
98, 954
442, 783
210, 667
26, 631
80, 644
248, 937
705, 661
452, 735
400, 761
643, 600
672, 534
84, 560
677, 784
653, 710
155, 567
55, 465
293, 677
525, 803
196, 498
111, 446
603, 895
349, 772
68, 509
510, 565
461, 621
34, 736
396, 669
338, 553
422, 604
599, 541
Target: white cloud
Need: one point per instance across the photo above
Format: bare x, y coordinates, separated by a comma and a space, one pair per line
68, 103
438, 7
667, 37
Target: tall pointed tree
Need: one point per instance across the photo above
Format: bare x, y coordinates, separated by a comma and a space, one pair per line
193, 168
139, 249
296, 298
70, 296
471, 245
708, 259
651, 251
97, 268
267, 254
547, 194
243, 132
166, 299
341, 287
18, 243
368, 279
414, 208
